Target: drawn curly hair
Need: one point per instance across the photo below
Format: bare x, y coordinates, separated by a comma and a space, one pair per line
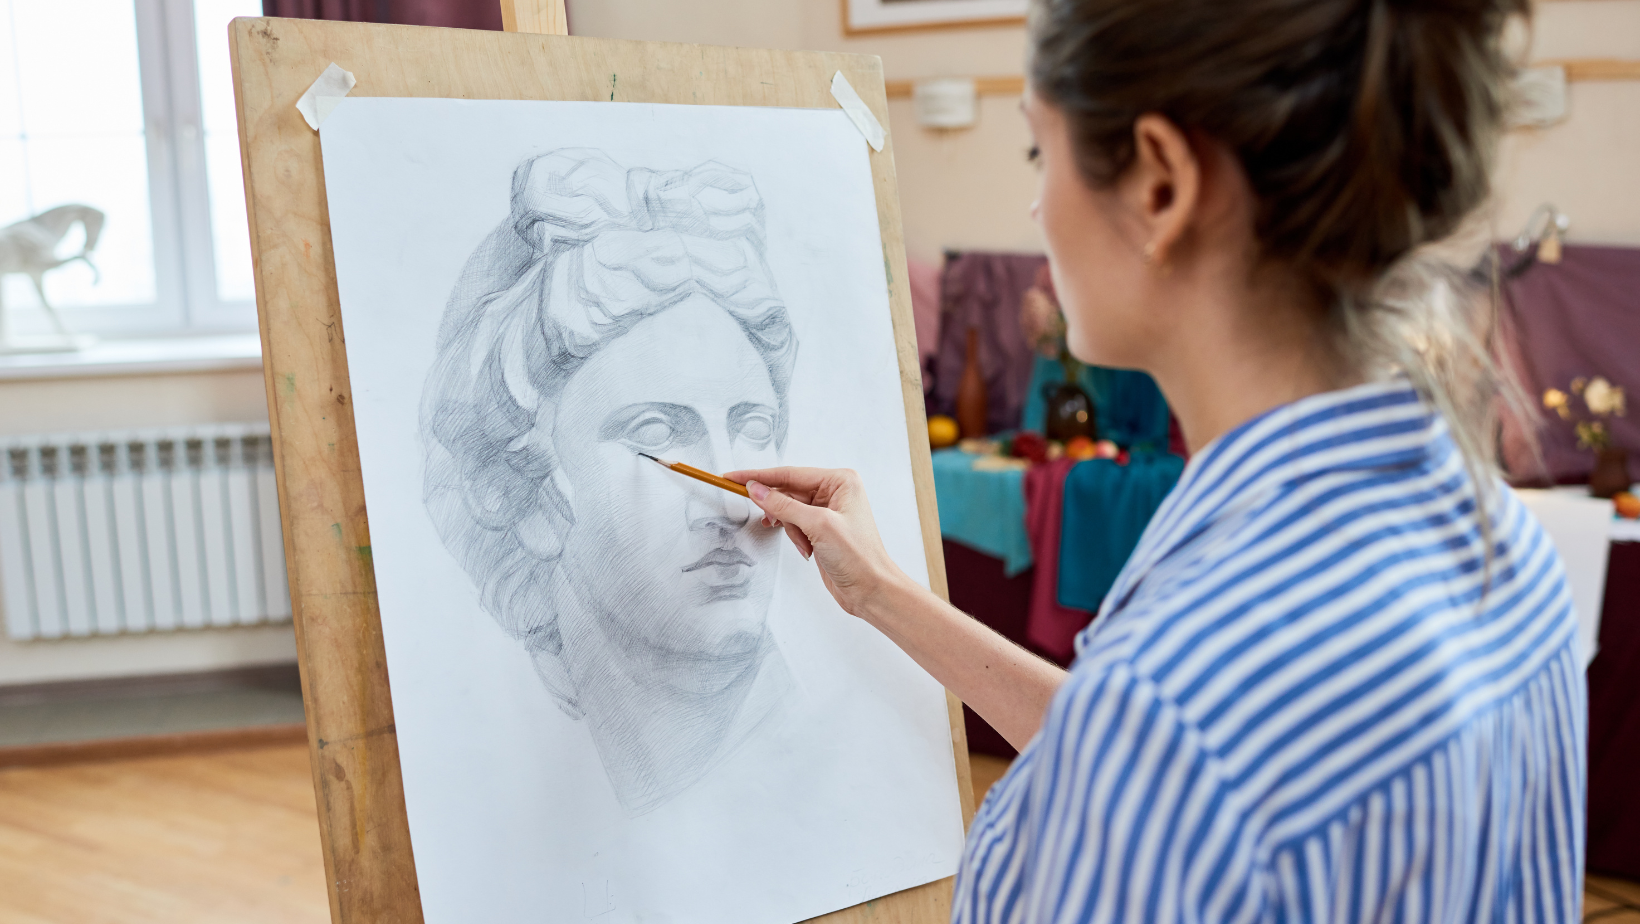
590, 249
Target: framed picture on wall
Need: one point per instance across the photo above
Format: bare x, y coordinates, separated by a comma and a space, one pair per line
868, 16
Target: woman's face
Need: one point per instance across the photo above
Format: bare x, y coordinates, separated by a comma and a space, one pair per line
673, 572
1093, 253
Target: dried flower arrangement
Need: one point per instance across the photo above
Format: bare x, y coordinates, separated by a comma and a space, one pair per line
1600, 398
1043, 322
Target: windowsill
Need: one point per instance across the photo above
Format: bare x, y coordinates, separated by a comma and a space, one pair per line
217, 353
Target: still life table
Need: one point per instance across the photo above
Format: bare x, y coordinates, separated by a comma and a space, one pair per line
1032, 551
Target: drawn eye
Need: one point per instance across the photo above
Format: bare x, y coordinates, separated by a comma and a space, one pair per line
757, 429
654, 426
650, 433
753, 423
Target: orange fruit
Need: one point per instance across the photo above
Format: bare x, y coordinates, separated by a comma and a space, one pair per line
1628, 506
942, 431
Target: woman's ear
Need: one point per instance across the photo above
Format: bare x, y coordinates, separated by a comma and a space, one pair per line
1163, 185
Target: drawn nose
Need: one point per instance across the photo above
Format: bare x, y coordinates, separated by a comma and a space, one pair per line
717, 511
713, 509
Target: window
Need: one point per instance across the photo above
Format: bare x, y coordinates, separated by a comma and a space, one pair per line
127, 106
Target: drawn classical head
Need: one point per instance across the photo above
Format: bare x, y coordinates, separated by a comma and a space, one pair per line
617, 311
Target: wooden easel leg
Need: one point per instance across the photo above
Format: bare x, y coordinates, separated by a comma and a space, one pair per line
542, 17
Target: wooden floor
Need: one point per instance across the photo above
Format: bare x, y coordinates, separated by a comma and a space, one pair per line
224, 838
232, 838
986, 770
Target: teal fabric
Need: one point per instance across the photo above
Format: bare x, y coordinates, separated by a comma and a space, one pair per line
982, 510
1132, 411
1107, 507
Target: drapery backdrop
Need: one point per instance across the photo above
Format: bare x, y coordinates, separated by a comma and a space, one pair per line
458, 14
1576, 318
982, 291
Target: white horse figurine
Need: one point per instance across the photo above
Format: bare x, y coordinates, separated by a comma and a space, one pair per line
30, 247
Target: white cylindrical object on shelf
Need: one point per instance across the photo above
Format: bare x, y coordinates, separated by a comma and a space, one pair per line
948, 102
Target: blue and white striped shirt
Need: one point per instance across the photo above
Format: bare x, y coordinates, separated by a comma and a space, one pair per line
1308, 697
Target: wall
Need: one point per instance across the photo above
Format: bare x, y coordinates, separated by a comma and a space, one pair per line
124, 402
1588, 165
961, 189
971, 188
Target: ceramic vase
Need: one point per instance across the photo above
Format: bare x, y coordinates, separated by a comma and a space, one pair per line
971, 409
1611, 472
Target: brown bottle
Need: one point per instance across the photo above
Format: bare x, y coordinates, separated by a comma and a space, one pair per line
971, 408
1070, 412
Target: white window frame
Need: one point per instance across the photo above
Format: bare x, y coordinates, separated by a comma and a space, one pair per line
185, 288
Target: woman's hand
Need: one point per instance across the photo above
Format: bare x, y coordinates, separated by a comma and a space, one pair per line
827, 516
825, 513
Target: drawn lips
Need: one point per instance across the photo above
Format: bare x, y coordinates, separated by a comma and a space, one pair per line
721, 558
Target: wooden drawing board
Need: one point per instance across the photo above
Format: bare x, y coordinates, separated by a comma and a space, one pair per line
365, 835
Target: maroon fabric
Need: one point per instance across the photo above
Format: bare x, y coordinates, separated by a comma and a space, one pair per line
980, 587
342, 10
1049, 626
457, 14
981, 736
1614, 721
454, 14
1175, 438
983, 291
1578, 317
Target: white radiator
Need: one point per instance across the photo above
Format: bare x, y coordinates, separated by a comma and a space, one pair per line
140, 531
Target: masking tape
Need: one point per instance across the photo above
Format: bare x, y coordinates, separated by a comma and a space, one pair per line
855, 108
322, 98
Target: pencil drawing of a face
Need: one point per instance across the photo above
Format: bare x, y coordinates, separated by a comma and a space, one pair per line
685, 385
619, 311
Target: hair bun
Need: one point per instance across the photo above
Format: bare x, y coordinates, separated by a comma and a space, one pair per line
1427, 109
1366, 128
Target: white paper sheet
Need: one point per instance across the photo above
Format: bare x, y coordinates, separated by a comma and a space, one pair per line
546, 775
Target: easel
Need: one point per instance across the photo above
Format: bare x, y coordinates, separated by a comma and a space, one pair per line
362, 823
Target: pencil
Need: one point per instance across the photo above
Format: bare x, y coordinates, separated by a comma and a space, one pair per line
698, 475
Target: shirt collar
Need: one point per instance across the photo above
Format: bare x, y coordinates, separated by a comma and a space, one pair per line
1378, 425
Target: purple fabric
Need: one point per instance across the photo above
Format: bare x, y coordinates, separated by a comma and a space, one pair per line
1578, 317
454, 14
341, 10
925, 311
458, 14
984, 291
925, 306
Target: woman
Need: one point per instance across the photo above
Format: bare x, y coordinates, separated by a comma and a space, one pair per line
615, 312
1336, 679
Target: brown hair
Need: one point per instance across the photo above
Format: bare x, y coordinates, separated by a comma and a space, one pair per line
1366, 128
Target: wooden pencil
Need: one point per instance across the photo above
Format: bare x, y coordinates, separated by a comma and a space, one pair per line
699, 475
